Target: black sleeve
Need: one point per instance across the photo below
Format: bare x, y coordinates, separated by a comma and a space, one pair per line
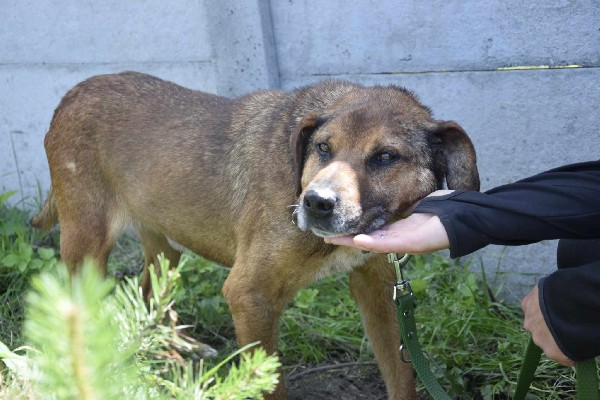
562, 203
570, 302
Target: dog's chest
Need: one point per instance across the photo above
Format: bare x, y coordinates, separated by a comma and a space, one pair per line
342, 259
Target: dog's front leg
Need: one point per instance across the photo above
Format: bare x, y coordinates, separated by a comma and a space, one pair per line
256, 308
371, 286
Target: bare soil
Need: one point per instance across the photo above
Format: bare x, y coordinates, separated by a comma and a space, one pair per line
349, 381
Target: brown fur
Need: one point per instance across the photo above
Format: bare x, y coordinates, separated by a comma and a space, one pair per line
218, 176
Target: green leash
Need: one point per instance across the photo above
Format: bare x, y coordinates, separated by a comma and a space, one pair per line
587, 379
405, 303
533, 354
585, 375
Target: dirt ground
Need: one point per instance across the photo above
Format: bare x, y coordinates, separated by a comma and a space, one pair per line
345, 381
341, 382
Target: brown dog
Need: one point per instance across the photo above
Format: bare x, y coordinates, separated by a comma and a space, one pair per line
218, 176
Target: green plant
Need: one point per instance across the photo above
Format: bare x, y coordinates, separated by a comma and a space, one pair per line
323, 323
90, 340
67, 325
16, 242
201, 305
20, 258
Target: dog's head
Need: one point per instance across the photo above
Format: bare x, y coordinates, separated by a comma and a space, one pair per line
369, 156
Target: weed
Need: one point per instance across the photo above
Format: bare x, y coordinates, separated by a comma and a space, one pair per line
201, 306
20, 258
323, 324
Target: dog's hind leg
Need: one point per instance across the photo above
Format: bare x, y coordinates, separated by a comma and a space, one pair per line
371, 287
155, 244
85, 234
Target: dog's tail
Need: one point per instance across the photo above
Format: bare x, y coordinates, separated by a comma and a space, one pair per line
47, 216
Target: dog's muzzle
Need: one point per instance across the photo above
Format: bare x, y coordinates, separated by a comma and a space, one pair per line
323, 212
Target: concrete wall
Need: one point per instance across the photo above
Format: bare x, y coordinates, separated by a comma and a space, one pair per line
453, 54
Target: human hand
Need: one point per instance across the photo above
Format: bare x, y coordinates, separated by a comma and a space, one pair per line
535, 323
418, 233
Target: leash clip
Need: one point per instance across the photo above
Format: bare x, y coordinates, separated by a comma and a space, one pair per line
402, 289
402, 286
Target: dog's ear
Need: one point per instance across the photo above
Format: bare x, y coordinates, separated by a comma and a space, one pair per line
298, 142
456, 156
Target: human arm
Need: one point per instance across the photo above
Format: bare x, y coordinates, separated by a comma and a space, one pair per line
558, 204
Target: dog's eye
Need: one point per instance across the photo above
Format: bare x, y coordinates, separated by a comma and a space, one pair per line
385, 157
323, 148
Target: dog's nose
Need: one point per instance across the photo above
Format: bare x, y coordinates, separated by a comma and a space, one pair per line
319, 205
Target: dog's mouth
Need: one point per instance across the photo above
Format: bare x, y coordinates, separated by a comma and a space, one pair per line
323, 233
378, 223
342, 224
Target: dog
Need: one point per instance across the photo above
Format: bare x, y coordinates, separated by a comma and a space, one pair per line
254, 183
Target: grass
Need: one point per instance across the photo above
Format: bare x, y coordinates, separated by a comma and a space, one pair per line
475, 343
23, 253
